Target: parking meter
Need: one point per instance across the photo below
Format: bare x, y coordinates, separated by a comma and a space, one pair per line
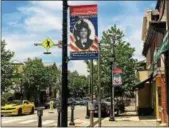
40, 114
72, 114
91, 106
58, 110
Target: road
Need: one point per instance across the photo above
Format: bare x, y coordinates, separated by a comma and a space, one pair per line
48, 119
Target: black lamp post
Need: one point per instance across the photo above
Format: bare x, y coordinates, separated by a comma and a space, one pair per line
112, 87
64, 88
112, 65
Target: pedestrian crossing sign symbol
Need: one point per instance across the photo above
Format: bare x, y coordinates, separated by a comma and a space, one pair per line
47, 43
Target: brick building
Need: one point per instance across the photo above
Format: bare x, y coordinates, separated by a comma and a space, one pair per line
155, 38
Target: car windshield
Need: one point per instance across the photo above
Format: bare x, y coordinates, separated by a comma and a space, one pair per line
15, 102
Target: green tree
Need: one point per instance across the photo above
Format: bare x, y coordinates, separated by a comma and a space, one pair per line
6, 67
53, 74
35, 78
123, 57
78, 84
38, 77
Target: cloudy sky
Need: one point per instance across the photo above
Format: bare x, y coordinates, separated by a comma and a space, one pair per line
27, 22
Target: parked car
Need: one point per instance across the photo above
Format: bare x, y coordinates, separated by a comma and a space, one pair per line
105, 109
18, 107
119, 105
71, 101
79, 101
55, 100
86, 100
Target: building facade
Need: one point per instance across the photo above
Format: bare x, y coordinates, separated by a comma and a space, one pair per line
156, 45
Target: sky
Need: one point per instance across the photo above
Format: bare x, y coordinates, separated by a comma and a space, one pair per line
27, 22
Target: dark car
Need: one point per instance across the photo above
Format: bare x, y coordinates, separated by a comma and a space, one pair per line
55, 100
71, 101
119, 105
85, 100
104, 109
79, 101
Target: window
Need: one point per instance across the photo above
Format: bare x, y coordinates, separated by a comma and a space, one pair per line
26, 102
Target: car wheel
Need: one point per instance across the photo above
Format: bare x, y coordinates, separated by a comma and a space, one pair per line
32, 111
20, 112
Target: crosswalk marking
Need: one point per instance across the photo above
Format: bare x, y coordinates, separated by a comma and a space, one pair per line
28, 121
48, 122
11, 121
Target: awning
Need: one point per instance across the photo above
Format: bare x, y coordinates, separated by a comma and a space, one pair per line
163, 48
141, 84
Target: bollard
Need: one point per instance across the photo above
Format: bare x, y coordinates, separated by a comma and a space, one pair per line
58, 124
87, 111
72, 115
40, 114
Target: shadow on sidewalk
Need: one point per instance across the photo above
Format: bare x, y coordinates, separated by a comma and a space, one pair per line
147, 118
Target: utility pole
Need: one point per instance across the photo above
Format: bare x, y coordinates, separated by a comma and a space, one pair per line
91, 93
112, 87
99, 86
64, 89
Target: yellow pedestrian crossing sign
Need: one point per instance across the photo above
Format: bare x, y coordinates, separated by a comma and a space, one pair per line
47, 43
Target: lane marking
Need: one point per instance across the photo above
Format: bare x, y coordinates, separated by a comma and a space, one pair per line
28, 121
11, 121
48, 122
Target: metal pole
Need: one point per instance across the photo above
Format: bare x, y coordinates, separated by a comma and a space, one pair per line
91, 92
99, 87
112, 87
22, 88
39, 121
64, 90
167, 13
58, 124
167, 81
72, 115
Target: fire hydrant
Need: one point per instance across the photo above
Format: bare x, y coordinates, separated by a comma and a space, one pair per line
51, 106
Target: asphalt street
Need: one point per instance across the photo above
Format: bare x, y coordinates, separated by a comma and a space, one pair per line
48, 119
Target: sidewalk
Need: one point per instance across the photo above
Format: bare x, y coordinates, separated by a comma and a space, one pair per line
129, 121
128, 118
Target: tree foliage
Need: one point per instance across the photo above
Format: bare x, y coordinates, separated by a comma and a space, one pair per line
77, 85
6, 66
38, 77
123, 58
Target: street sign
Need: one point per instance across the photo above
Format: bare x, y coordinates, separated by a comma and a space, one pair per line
117, 77
47, 43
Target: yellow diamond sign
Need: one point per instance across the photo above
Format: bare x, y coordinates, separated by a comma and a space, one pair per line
47, 43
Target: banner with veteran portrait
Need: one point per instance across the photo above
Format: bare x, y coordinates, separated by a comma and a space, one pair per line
83, 32
117, 77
